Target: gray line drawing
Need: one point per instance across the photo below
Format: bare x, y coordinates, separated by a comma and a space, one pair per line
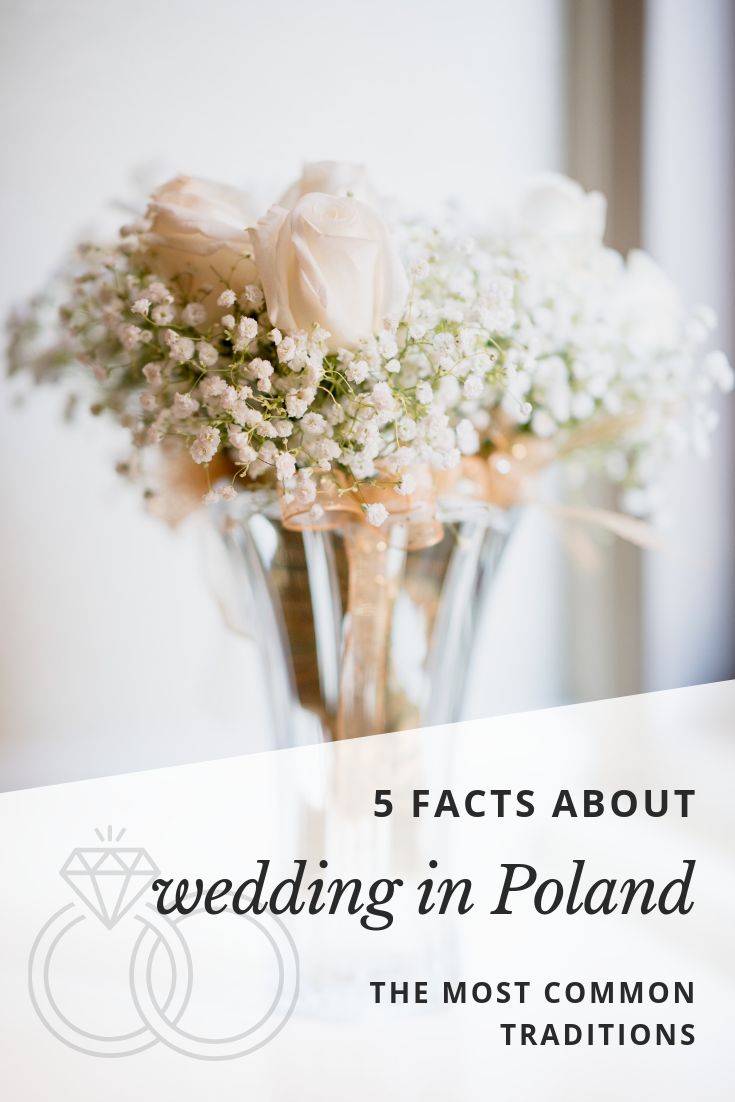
110, 881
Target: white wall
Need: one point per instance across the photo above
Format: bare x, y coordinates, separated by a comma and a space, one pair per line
113, 654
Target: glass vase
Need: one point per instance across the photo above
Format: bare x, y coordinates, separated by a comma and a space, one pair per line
360, 633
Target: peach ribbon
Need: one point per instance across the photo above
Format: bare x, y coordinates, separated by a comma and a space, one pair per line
506, 478
341, 502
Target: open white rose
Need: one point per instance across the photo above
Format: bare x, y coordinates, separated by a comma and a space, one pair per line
331, 262
341, 178
199, 228
555, 207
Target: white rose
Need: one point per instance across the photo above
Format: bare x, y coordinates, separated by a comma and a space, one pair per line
329, 262
199, 228
333, 178
553, 206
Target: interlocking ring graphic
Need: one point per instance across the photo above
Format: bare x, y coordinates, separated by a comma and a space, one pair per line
160, 1019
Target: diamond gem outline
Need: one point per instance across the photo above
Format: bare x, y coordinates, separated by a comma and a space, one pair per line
85, 864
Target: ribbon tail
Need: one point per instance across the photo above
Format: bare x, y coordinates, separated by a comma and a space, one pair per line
638, 532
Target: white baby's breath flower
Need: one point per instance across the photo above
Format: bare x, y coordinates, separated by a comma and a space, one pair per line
130, 337
212, 388
245, 334
444, 344
245, 453
334, 414
239, 410
285, 466
184, 407
296, 406
376, 514
159, 292
468, 440
387, 344
206, 445
260, 368
227, 398
325, 450
286, 350
313, 423
543, 424
181, 349
716, 367
207, 354
382, 398
447, 460
407, 485
252, 297
407, 428
582, 405
152, 375
156, 430
247, 415
268, 453
194, 315
227, 298
481, 363
472, 387
163, 314
357, 371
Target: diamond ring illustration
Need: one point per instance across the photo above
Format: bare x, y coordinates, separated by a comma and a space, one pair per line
109, 882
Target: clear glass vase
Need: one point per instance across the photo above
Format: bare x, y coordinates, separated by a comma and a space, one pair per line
359, 633
362, 634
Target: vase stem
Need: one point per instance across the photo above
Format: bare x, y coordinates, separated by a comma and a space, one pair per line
326, 604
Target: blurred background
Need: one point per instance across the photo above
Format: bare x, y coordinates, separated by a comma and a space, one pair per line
113, 653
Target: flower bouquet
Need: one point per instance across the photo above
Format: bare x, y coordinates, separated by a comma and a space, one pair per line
365, 401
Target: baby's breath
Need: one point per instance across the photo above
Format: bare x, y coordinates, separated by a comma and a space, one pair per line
522, 330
